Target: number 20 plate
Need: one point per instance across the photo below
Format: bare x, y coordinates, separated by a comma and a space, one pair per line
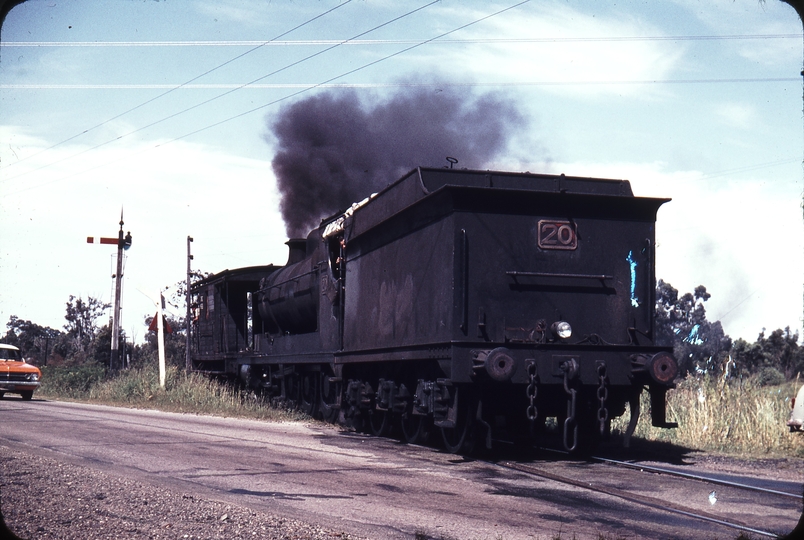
557, 235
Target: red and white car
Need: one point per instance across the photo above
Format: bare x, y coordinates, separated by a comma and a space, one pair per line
16, 375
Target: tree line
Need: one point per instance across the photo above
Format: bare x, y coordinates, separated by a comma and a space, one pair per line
700, 345
85, 340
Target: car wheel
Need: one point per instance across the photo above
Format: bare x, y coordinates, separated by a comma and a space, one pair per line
27, 395
2, 394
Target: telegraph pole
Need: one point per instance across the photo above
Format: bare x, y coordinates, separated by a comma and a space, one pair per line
122, 242
188, 363
114, 363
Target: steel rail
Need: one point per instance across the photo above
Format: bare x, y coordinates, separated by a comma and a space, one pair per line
680, 474
671, 472
637, 499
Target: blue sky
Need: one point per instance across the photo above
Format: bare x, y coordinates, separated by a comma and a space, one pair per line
697, 101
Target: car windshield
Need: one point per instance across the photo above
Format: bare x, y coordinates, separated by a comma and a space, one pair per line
9, 354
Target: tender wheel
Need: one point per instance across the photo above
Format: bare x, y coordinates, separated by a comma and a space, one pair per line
415, 428
27, 395
308, 393
460, 438
328, 402
379, 423
290, 391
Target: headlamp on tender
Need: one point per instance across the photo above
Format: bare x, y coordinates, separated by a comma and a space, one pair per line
561, 329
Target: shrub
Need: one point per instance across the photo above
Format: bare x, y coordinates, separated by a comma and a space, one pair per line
74, 382
769, 376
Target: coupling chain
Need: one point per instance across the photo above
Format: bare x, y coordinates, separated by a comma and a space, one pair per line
602, 396
532, 391
570, 425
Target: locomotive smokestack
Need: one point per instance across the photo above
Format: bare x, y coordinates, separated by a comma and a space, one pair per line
335, 148
297, 250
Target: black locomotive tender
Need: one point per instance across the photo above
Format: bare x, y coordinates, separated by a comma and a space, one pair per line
476, 303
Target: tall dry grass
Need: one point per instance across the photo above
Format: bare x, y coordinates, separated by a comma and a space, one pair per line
736, 417
183, 392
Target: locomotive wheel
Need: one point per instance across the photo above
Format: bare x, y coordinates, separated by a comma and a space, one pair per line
460, 439
291, 388
328, 402
308, 393
379, 422
415, 428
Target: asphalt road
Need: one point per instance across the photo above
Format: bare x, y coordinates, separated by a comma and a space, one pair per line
375, 488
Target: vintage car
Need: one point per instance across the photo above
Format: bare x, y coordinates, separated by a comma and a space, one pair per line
796, 420
16, 375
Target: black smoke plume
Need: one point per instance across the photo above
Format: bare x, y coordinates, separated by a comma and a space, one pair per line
334, 149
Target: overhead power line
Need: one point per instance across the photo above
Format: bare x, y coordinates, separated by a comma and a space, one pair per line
174, 87
347, 73
295, 63
274, 86
301, 91
366, 42
192, 107
748, 168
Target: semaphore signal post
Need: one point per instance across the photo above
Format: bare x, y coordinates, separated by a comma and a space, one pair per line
122, 242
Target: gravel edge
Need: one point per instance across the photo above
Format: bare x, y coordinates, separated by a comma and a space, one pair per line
45, 498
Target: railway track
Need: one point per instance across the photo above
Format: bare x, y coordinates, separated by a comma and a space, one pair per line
702, 478
654, 502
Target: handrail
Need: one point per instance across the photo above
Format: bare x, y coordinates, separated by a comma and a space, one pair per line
515, 274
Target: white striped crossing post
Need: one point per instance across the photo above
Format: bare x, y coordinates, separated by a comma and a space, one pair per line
188, 363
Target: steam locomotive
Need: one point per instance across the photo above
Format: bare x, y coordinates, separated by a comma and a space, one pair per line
476, 304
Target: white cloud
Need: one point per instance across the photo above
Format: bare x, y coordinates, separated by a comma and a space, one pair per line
708, 235
737, 115
573, 48
241, 12
742, 240
751, 18
227, 203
